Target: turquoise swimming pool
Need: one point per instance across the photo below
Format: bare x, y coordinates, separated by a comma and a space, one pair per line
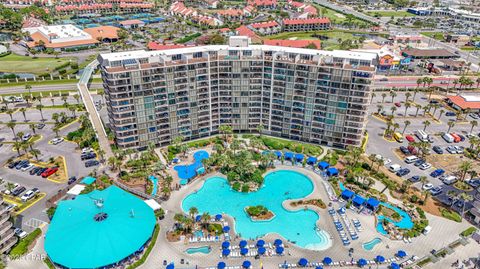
201, 250
405, 223
371, 244
154, 182
186, 172
216, 196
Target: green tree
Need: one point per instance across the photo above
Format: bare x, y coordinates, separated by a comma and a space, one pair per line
426, 124
450, 124
406, 124
24, 110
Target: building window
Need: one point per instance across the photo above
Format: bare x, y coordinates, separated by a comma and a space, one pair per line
197, 55
177, 57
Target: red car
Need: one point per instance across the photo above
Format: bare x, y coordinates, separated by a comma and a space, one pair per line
410, 138
412, 150
397, 104
49, 172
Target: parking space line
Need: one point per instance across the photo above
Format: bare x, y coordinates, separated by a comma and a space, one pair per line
8, 200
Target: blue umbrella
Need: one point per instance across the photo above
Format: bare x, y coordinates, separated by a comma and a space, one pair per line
221, 265
243, 243
171, 266
303, 262
261, 250
279, 250
226, 229
260, 243
380, 259
218, 216
243, 251
225, 244
394, 265
198, 218
278, 153
327, 260
362, 262
277, 242
246, 264
401, 253
319, 267
225, 252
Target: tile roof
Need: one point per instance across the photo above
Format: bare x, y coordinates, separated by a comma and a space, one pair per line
37, 37
292, 43
152, 45
102, 32
461, 102
244, 31
266, 24
428, 52
131, 22
306, 21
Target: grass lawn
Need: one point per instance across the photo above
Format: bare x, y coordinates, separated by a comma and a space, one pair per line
330, 44
47, 82
334, 16
400, 13
23, 64
434, 35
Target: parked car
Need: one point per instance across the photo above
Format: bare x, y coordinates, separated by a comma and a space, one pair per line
7, 192
459, 149
40, 171
20, 233
410, 159
49, 172
436, 190
410, 138
397, 104
451, 150
17, 191
437, 173
433, 101
21, 164
88, 156
402, 172
474, 182
34, 170
71, 180
56, 140
386, 161
450, 114
425, 166
462, 138
412, 150
430, 139
91, 163
427, 186
87, 150
13, 164
448, 180
414, 179
419, 162
28, 195
26, 137
437, 149
40, 126
404, 150
27, 167
474, 116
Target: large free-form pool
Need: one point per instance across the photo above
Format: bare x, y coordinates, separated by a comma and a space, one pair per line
216, 196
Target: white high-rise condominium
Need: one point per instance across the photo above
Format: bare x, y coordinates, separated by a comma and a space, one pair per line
309, 95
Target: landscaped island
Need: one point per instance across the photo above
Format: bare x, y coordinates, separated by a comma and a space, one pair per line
259, 212
315, 202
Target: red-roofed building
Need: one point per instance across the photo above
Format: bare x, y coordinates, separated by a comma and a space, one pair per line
132, 24
313, 24
233, 14
463, 102
293, 43
266, 28
245, 31
263, 4
226, 32
152, 45
306, 10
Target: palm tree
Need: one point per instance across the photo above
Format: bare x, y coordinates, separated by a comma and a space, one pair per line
435, 107
33, 128
35, 153
56, 129
73, 109
465, 197
406, 124
428, 81
474, 124
419, 82
10, 113
450, 124
260, 129
55, 117
64, 99
424, 180
440, 113
28, 87
393, 95
205, 219
393, 109
418, 108
40, 108
53, 101
193, 211
12, 125
407, 106
17, 146
379, 109
383, 97
39, 99
415, 92
426, 124
407, 95
225, 130
395, 127
464, 167
373, 96
24, 110
101, 92
77, 97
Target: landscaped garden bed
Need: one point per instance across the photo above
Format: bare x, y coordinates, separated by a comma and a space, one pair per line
314, 202
259, 213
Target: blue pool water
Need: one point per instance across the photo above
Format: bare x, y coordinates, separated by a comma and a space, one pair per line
186, 172
405, 223
371, 244
202, 250
342, 187
216, 196
198, 233
154, 181
88, 180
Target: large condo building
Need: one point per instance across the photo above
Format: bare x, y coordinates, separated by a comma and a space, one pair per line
302, 94
7, 235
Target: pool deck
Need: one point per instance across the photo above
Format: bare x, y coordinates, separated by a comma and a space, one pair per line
164, 250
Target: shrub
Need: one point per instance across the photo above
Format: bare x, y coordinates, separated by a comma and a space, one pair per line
51, 212
451, 215
245, 188
421, 213
21, 248
468, 232
236, 186
256, 210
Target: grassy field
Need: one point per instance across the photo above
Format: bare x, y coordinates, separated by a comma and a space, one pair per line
46, 82
400, 14
330, 44
23, 64
334, 16
434, 35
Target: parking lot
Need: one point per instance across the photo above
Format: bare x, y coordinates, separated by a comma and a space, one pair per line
390, 149
47, 187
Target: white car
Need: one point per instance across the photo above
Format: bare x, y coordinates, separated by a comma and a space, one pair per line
28, 195
26, 137
386, 161
56, 140
427, 186
87, 150
28, 167
6, 191
425, 166
20, 233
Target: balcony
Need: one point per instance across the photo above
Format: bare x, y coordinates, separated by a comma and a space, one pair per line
8, 245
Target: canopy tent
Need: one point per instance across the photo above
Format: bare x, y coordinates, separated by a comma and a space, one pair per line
198, 218
170, 266
372, 204
221, 265
175, 160
246, 264
288, 155
379, 259
303, 262
332, 171
153, 204
225, 252
327, 260
362, 262
225, 244
279, 154
347, 194
311, 160
318, 267
401, 254
299, 157
265, 152
358, 200
323, 165
76, 190
394, 265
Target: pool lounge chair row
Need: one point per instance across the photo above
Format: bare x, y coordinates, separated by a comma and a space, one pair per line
204, 239
346, 263
252, 253
227, 267
350, 229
